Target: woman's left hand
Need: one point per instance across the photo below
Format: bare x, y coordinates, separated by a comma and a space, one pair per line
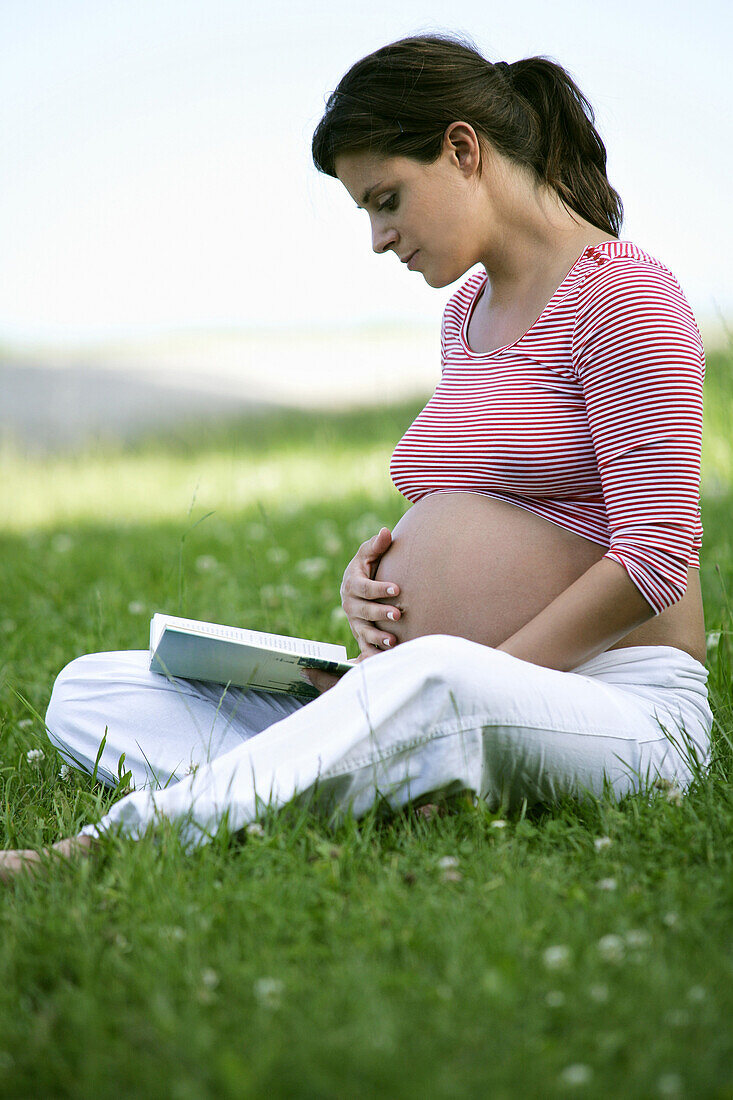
322, 681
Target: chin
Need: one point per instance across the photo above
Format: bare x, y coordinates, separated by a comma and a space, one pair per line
438, 283
445, 278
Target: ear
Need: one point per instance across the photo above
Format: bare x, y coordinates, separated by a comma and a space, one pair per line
462, 145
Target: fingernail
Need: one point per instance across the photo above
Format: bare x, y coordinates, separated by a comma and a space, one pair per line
391, 591
387, 642
391, 615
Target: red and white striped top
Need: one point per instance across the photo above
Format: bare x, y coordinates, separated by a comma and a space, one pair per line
593, 419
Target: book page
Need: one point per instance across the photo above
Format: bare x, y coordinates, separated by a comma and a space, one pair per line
326, 651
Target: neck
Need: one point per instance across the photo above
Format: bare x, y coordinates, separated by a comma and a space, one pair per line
531, 237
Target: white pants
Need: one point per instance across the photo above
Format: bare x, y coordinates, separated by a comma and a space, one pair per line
437, 714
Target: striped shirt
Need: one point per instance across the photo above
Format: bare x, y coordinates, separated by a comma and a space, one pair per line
592, 419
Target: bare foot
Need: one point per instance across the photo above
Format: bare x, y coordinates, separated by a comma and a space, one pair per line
13, 861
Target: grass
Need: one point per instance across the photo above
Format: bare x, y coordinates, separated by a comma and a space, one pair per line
318, 962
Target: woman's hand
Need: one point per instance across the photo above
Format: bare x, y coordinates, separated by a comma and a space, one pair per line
359, 591
321, 680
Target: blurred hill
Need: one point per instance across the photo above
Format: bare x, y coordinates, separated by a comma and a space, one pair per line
58, 396
55, 396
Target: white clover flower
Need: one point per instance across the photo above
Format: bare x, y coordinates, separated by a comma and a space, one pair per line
255, 829
136, 607
312, 567
287, 592
637, 937
499, 823
451, 875
61, 543
268, 992
326, 529
669, 1084
268, 593
277, 555
35, 756
611, 948
171, 932
696, 994
671, 791
65, 772
491, 980
555, 998
209, 978
712, 640
365, 527
671, 919
256, 532
338, 615
602, 842
7, 626
445, 862
332, 545
556, 957
606, 884
206, 563
576, 1074
598, 993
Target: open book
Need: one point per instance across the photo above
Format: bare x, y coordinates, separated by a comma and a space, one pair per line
196, 650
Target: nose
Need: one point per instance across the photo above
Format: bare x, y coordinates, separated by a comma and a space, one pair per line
382, 239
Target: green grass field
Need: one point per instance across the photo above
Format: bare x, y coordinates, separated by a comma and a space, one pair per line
579, 950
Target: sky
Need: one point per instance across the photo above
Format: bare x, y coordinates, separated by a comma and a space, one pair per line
156, 170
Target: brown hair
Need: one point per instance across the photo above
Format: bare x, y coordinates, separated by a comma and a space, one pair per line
399, 100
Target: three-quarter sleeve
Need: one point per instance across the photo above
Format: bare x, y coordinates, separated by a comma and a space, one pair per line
640, 362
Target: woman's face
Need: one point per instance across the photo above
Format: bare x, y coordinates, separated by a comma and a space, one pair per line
428, 214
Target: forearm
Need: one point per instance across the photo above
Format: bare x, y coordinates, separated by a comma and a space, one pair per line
598, 609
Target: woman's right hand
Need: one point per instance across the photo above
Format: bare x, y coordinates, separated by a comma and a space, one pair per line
359, 591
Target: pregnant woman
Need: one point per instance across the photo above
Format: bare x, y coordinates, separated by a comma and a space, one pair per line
533, 626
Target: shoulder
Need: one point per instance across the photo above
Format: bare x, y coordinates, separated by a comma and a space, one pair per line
621, 272
622, 285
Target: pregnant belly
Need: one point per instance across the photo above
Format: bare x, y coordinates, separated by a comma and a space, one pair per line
477, 567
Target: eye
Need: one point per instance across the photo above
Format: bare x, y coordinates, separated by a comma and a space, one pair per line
389, 204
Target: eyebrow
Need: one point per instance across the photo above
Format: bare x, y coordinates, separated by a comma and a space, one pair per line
365, 197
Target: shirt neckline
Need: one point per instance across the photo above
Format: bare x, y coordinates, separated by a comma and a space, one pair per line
477, 294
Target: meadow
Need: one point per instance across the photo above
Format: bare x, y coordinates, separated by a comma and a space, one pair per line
582, 949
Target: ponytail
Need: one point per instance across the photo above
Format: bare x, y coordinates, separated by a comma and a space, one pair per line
564, 147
